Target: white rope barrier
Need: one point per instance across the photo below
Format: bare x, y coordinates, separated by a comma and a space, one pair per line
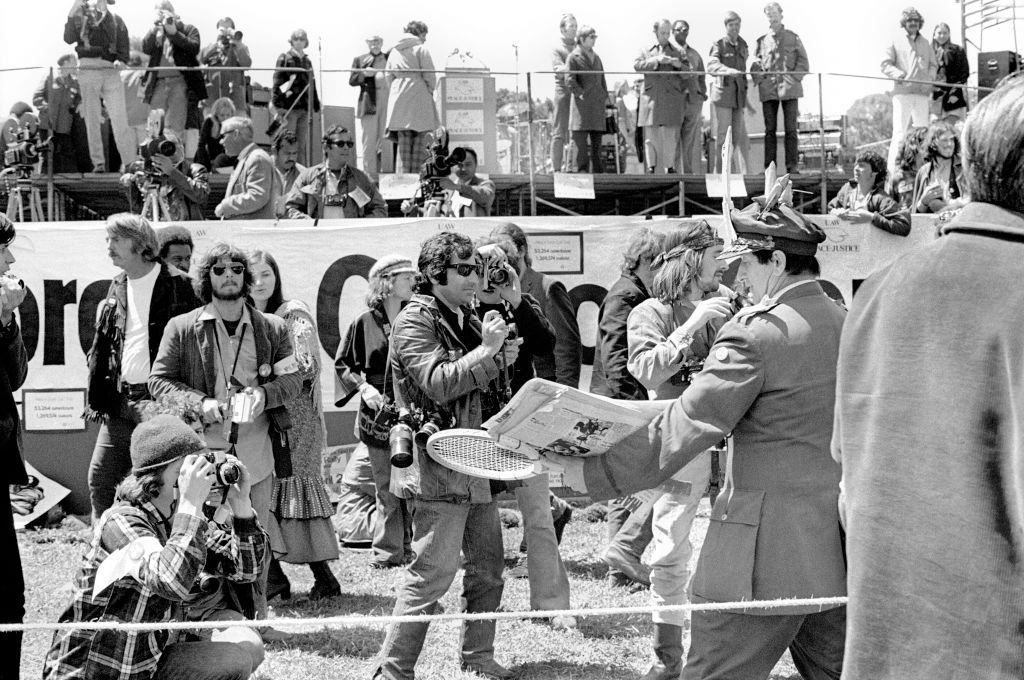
363, 620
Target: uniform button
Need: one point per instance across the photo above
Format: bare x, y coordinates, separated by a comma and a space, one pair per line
725, 516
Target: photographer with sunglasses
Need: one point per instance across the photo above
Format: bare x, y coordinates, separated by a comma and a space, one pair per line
335, 189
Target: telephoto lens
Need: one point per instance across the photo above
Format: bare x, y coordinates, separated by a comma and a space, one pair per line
400, 439
429, 428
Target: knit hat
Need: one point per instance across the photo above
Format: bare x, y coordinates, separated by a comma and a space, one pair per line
6, 231
389, 265
161, 440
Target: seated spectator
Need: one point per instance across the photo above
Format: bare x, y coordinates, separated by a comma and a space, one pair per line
152, 546
863, 199
908, 160
285, 148
335, 188
171, 42
210, 153
57, 99
356, 517
940, 181
254, 187
184, 187
227, 50
176, 246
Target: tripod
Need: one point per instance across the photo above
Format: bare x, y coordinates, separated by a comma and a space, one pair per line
20, 192
154, 206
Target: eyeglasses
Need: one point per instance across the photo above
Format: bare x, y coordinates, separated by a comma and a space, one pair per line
463, 269
224, 135
349, 143
219, 269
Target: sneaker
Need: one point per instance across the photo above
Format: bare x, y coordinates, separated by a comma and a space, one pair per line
631, 566
490, 669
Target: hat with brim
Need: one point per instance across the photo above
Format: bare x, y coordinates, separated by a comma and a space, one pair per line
389, 265
778, 228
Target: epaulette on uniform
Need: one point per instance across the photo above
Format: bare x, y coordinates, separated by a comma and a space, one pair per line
746, 314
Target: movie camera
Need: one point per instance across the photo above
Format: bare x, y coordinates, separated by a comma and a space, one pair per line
438, 165
24, 152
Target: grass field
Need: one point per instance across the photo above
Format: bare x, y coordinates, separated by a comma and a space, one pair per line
601, 648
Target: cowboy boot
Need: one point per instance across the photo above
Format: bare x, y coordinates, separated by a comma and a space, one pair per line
325, 584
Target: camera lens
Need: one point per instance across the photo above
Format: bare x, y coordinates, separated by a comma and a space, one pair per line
166, 147
228, 473
498, 276
400, 439
429, 429
207, 583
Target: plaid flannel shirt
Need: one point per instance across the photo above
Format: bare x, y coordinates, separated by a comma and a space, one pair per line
165, 579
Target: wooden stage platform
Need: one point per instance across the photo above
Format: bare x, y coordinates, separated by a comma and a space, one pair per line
95, 196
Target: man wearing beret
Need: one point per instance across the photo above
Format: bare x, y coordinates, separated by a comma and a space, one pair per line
145, 556
770, 380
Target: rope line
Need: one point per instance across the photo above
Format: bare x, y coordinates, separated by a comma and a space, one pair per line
362, 619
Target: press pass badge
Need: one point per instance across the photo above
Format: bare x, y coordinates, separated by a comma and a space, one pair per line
359, 196
264, 370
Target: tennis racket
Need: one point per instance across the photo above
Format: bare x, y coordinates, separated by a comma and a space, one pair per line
475, 453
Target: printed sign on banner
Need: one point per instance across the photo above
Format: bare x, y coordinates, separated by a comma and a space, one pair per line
53, 410
465, 121
556, 252
464, 90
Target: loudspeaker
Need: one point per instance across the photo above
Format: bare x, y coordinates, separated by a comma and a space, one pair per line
993, 67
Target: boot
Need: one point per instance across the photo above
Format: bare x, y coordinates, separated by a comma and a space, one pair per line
668, 653
277, 582
325, 584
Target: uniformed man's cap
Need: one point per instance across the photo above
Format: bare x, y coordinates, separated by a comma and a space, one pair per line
779, 228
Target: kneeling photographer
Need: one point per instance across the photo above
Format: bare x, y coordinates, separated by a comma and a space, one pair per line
146, 556
161, 185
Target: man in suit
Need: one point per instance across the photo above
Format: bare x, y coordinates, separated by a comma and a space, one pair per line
254, 188
368, 75
769, 379
928, 414
130, 323
222, 350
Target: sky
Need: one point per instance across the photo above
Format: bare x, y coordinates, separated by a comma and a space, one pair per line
840, 37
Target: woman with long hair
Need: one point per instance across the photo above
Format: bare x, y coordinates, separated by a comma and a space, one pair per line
940, 181
210, 153
361, 369
909, 159
863, 199
669, 336
300, 502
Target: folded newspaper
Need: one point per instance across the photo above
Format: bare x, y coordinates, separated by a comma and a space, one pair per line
551, 418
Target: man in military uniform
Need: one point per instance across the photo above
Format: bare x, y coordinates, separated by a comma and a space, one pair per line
769, 379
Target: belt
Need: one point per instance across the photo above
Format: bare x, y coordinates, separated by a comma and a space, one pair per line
134, 390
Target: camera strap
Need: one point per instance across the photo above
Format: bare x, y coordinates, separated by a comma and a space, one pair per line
220, 357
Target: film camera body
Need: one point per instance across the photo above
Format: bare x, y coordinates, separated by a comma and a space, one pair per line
438, 165
413, 426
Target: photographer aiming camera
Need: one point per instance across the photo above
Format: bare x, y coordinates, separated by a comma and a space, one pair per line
442, 359
172, 42
182, 188
227, 50
146, 555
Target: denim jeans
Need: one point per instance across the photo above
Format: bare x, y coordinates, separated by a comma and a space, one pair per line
630, 531
671, 549
770, 109
204, 661
440, 530
392, 527
110, 462
549, 582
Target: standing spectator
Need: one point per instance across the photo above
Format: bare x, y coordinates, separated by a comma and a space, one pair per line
57, 99
628, 532
411, 112
134, 96
562, 365
301, 504
589, 96
443, 359
172, 42
953, 68
931, 457
670, 335
13, 370
691, 134
563, 97
228, 50
294, 94
129, 326
334, 189
221, 349
254, 187
182, 186
728, 64
909, 58
864, 200
778, 52
368, 75
940, 181
210, 153
663, 99
101, 43
361, 368
176, 247
627, 108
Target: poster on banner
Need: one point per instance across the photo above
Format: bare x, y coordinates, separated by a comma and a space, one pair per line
557, 252
53, 410
465, 121
464, 90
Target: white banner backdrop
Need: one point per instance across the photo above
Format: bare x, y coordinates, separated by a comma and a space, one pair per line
66, 269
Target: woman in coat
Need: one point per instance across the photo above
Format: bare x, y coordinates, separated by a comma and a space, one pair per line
940, 181
589, 95
410, 75
863, 199
663, 99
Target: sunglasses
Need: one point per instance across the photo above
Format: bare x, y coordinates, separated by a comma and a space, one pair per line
463, 269
224, 135
219, 269
349, 143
